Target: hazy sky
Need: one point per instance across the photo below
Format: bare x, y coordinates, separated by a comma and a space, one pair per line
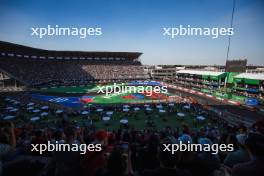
136, 25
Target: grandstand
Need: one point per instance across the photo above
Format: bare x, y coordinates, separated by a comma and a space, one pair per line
249, 85
67, 110
59, 101
36, 67
244, 87
200, 78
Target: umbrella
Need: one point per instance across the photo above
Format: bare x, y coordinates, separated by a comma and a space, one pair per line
148, 109
162, 111
146, 105
36, 110
14, 110
59, 111
44, 107
124, 121
106, 118
16, 102
200, 118
136, 109
99, 110
180, 114
9, 108
30, 108
171, 104
85, 112
34, 118
159, 106
126, 106
109, 113
30, 104
9, 117
186, 107
125, 110
44, 114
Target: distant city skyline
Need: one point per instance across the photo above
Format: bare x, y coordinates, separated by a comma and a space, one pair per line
137, 26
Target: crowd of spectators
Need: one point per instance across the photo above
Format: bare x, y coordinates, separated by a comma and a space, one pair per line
40, 72
142, 154
253, 91
198, 82
113, 72
212, 85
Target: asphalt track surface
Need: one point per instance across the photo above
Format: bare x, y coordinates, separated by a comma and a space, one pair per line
235, 110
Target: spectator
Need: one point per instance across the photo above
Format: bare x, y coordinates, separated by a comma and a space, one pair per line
118, 164
240, 155
255, 146
94, 162
66, 163
7, 142
167, 166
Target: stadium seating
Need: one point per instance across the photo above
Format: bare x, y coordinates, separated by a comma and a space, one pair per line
31, 67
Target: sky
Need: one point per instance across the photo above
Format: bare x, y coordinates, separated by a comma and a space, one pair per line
137, 26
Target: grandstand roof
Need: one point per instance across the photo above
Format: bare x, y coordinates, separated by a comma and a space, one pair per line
25, 50
256, 76
200, 72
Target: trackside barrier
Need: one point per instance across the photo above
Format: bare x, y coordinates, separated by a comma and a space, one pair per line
202, 94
